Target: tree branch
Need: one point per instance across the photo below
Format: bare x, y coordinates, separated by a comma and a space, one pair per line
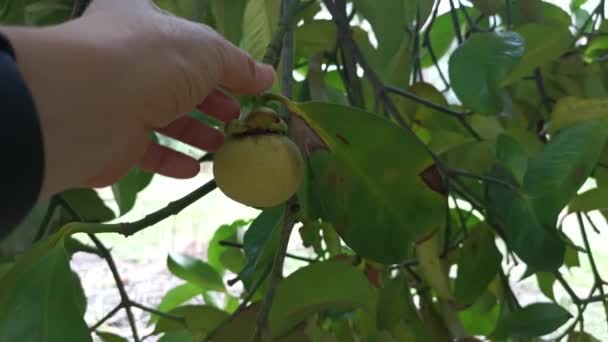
106, 317
461, 116
455, 22
242, 306
288, 255
276, 273
107, 256
178, 319
599, 282
171, 209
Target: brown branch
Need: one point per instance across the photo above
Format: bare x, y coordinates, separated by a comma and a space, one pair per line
171, 209
106, 317
276, 273
107, 256
179, 319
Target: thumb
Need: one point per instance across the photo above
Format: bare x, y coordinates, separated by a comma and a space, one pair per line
241, 74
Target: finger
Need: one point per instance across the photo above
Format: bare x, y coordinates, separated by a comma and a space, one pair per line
241, 74
220, 106
167, 162
194, 133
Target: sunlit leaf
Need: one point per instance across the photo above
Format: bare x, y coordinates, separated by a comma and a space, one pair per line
570, 111
198, 319
195, 271
217, 253
127, 188
229, 18
259, 22
175, 297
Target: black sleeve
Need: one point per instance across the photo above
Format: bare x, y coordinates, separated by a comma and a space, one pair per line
21, 144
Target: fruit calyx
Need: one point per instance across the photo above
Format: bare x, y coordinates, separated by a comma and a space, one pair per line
260, 121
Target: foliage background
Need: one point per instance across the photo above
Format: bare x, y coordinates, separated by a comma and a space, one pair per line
195, 222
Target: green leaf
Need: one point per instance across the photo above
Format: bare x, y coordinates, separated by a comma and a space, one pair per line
217, 254
594, 199
314, 37
581, 336
482, 316
534, 320
199, 319
177, 336
242, 328
229, 18
559, 170
194, 10
367, 178
537, 245
35, 289
396, 308
512, 156
479, 65
48, 12
543, 44
126, 189
195, 271
175, 297
442, 35
260, 243
570, 111
478, 265
259, 23
88, 204
109, 337
488, 7
388, 32
545, 284
317, 287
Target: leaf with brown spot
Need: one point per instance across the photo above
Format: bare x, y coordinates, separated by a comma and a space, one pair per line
364, 178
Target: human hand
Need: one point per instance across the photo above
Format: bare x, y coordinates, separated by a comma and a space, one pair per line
103, 82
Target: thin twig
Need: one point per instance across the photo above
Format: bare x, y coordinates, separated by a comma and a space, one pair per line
596, 274
107, 256
276, 273
106, 317
540, 85
455, 22
288, 255
124, 297
179, 319
461, 116
242, 306
429, 46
